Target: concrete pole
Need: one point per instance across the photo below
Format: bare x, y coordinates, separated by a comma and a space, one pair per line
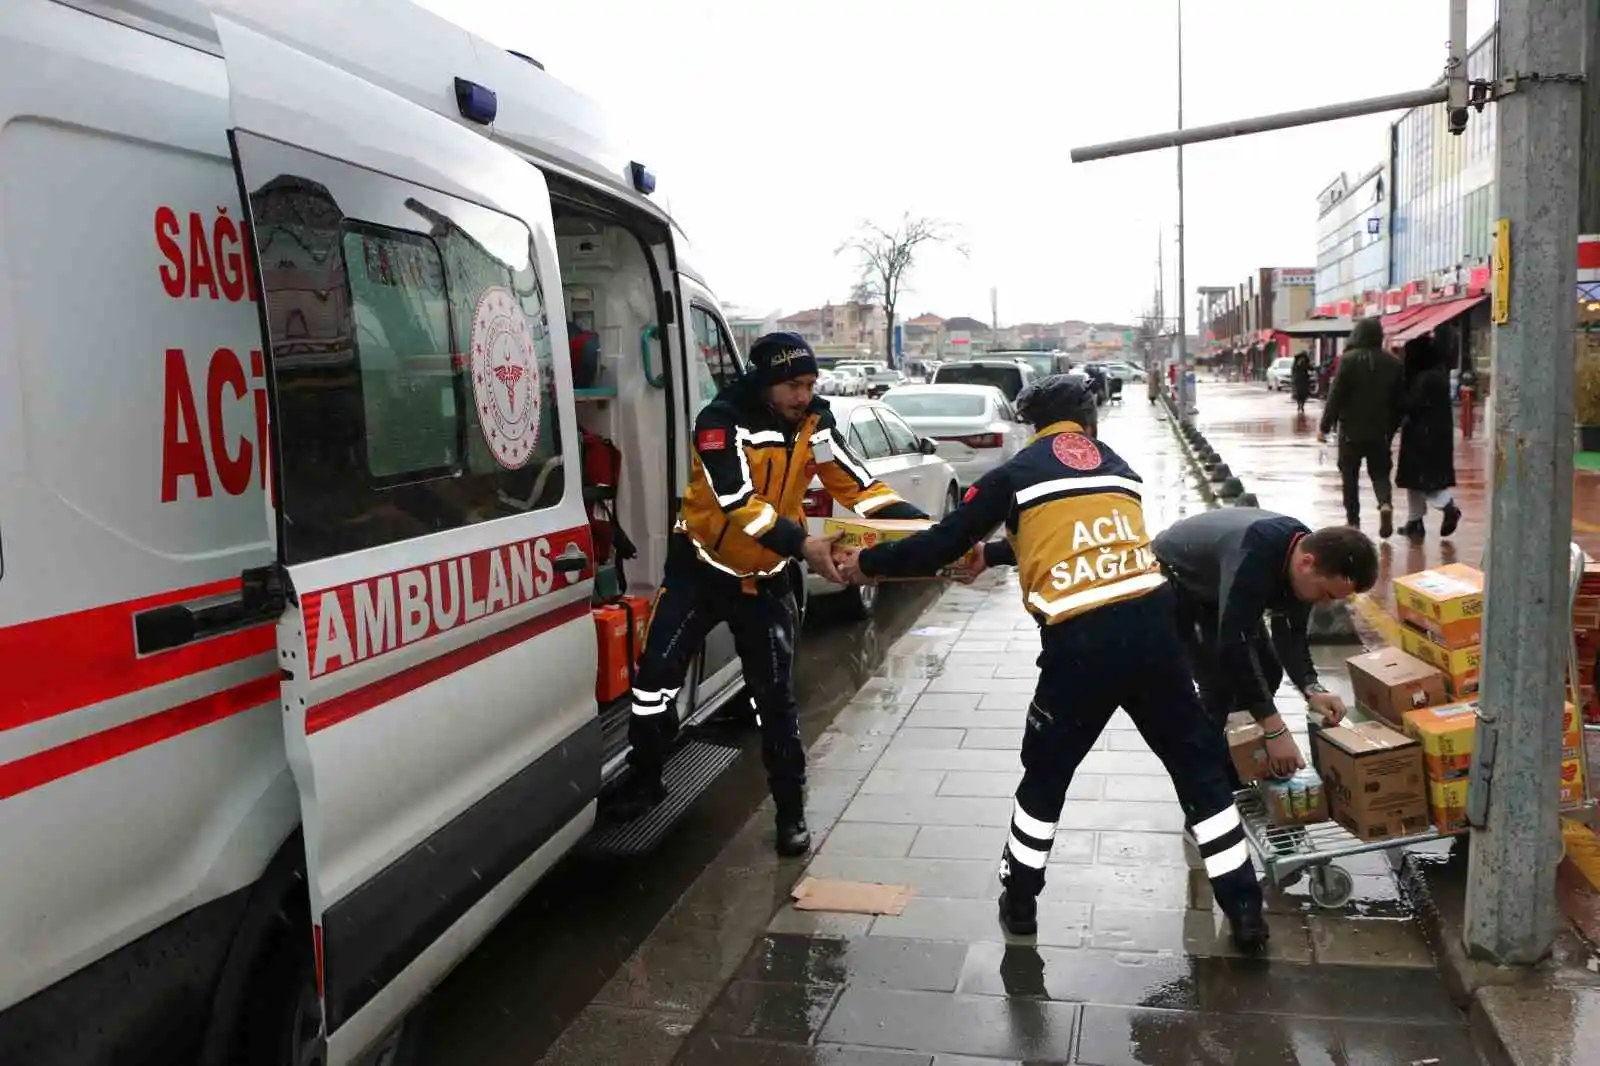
1511, 915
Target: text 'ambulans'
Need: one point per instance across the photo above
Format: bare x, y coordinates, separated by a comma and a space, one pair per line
351, 623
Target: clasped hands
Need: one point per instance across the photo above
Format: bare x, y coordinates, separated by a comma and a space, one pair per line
842, 566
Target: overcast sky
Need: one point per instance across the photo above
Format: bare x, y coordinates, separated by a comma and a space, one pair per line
775, 128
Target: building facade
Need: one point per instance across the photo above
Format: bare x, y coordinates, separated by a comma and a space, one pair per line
1353, 236
852, 324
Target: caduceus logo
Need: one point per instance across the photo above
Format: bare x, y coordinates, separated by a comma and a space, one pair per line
505, 378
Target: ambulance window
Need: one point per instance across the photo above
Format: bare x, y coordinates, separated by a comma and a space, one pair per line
409, 391
717, 362
867, 435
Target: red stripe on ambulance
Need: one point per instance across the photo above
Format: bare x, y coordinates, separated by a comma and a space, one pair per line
352, 623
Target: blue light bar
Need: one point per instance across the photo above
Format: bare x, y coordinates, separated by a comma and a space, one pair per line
478, 103
643, 180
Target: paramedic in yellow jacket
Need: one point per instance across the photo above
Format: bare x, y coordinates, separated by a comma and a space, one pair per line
756, 448
1075, 531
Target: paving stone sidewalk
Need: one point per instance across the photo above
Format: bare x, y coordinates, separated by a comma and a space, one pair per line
911, 785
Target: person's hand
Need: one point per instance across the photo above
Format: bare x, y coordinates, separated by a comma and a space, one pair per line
1283, 754
818, 553
1322, 438
848, 560
972, 566
1330, 706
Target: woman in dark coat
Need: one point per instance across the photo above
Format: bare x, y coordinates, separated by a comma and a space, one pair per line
1427, 469
1300, 378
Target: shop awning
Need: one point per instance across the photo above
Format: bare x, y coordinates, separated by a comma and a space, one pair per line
1399, 320
1319, 327
1436, 315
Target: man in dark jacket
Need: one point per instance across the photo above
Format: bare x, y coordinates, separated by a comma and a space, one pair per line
1230, 568
1364, 403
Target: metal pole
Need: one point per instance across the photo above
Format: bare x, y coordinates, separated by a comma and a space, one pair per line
1281, 121
1511, 869
1185, 386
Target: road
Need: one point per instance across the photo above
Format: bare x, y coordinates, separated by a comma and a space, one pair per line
515, 994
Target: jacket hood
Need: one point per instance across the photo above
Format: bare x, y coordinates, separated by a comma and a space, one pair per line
1367, 333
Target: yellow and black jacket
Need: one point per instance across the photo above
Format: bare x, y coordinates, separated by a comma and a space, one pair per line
1074, 528
744, 509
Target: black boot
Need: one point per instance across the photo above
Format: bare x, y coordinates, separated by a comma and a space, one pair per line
1247, 924
1414, 529
793, 839
1452, 518
638, 796
1018, 913
1386, 522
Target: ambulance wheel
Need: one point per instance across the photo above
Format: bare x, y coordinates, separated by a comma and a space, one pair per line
1331, 887
281, 1024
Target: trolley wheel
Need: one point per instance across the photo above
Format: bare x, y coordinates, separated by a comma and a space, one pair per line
1331, 886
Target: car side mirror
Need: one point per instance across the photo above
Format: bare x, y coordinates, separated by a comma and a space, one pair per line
927, 446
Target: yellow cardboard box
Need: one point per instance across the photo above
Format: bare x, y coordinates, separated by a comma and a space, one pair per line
1459, 665
1447, 803
870, 532
1446, 603
1571, 789
1447, 735
1571, 732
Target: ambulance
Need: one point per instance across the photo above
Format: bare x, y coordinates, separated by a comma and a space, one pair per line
343, 359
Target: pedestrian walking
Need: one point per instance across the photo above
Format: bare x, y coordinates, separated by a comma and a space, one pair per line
1075, 530
1427, 466
1300, 380
1364, 405
1232, 569
740, 526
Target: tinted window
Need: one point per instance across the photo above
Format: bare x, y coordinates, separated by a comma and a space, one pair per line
901, 440
411, 353
1007, 379
936, 404
719, 362
868, 436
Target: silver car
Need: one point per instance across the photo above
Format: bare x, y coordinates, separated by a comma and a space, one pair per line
975, 425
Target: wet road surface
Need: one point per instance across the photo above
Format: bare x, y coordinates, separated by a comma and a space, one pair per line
516, 993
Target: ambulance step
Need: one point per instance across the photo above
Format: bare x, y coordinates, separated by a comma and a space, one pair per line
692, 769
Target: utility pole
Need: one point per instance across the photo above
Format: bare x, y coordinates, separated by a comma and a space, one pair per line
1186, 407
1511, 868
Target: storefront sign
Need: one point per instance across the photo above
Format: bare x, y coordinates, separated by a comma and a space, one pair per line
1500, 300
1394, 301
1374, 226
1294, 277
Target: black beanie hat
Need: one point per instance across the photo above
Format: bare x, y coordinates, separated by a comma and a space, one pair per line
781, 357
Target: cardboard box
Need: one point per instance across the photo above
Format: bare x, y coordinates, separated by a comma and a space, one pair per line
1571, 785
1247, 746
1447, 803
870, 532
1459, 665
1571, 732
1388, 683
615, 673
1373, 777
1447, 736
1446, 603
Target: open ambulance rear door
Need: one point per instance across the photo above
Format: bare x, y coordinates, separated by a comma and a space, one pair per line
436, 648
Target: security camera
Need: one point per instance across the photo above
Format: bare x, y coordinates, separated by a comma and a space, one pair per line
1458, 120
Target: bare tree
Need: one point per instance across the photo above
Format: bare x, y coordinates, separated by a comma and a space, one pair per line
886, 257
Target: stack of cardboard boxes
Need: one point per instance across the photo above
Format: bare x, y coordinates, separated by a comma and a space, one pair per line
1447, 736
1586, 629
1441, 616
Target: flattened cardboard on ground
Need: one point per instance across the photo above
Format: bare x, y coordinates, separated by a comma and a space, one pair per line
850, 897
1389, 683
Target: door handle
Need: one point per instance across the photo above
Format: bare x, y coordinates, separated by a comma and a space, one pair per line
571, 562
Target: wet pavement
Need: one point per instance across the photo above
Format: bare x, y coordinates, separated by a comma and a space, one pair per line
910, 785
555, 952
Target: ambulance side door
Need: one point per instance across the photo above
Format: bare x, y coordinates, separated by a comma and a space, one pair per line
436, 648
713, 362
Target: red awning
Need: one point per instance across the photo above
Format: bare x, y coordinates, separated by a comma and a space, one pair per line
1435, 315
1399, 320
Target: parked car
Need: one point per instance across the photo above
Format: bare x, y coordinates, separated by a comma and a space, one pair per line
1279, 374
1007, 375
883, 379
894, 453
975, 425
852, 379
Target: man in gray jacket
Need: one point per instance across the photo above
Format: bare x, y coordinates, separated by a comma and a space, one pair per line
1364, 403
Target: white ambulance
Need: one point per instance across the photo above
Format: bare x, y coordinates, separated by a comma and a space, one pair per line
297, 663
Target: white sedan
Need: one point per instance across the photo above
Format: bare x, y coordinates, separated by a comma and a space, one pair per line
975, 425
1280, 373
898, 457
